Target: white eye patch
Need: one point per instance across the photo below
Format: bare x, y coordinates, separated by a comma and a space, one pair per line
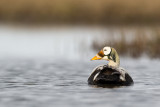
106, 50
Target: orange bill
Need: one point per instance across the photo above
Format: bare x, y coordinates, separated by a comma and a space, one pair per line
100, 53
96, 58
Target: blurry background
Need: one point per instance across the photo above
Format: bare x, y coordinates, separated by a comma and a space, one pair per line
132, 27
46, 47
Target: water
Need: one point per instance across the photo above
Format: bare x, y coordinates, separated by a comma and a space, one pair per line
72, 42
52, 80
33, 83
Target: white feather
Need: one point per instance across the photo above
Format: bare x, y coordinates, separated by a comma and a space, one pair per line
100, 67
123, 72
96, 76
106, 50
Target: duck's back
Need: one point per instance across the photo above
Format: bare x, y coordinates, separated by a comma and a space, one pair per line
106, 75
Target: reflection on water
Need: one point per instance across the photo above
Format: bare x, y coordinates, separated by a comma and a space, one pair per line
60, 81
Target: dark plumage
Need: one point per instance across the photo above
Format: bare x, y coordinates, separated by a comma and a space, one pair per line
108, 76
111, 74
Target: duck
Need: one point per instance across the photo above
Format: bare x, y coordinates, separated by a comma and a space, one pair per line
110, 74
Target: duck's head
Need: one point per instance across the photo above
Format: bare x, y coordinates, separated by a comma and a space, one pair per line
109, 54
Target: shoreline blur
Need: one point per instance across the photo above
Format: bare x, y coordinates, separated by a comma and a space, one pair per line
134, 42
103, 12
129, 41
105, 15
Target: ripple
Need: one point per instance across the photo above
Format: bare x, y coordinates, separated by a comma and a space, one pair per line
47, 84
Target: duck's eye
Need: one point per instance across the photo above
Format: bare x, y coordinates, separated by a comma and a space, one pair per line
105, 49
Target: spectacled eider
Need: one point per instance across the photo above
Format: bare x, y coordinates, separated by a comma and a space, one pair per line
110, 74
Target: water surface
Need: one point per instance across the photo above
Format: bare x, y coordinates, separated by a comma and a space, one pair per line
50, 68
26, 83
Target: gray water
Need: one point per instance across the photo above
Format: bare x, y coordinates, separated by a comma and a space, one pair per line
34, 74
31, 83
